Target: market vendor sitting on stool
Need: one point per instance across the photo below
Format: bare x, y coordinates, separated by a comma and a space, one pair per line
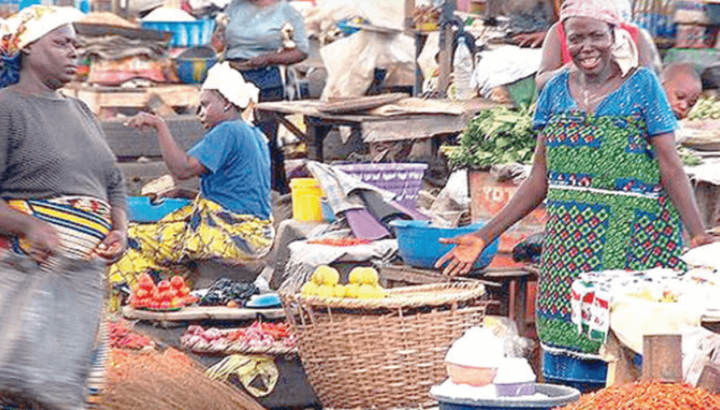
615, 190
260, 37
231, 217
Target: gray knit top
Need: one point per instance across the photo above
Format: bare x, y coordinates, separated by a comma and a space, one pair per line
54, 147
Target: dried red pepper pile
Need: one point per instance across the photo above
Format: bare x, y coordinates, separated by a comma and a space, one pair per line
339, 241
648, 396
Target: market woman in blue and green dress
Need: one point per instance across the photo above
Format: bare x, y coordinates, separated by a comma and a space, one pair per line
613, 184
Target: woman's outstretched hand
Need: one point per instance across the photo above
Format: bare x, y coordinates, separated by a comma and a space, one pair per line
460, 260
144, 120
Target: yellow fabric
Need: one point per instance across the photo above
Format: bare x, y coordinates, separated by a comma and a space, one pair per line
203, 230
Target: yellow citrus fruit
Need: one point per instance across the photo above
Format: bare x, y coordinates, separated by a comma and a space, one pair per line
331, 277
309, 289
367, 292
340, 291
356, 275
370, 276
321, 273
325, 291
352, 290
379, 291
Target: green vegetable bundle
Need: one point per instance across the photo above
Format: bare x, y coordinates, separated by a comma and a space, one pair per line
496, 136
705, 108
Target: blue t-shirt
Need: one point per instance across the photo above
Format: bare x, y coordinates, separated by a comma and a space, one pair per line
641, 95
237, 158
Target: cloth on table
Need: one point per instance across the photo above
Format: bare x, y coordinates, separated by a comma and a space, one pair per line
344, 194
503, 66
607, 207
304, 258
203, 230
656, 301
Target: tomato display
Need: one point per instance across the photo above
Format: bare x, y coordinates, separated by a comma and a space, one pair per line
172, 294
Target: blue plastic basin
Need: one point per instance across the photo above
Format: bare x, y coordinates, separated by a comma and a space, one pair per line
419, 243
141, 209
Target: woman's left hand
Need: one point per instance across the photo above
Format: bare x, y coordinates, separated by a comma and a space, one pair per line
112, 247
700, 240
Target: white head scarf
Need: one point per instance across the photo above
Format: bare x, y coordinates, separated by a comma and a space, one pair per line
32, 23
231, 84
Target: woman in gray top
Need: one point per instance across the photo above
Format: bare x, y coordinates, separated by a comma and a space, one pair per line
60, 188
61, 193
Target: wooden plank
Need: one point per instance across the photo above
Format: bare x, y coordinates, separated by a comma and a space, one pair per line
98, 98
139, 174
360, 103
413, 127
407, 274
127, 142
194, 313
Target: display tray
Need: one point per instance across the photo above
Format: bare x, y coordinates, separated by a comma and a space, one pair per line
202, 313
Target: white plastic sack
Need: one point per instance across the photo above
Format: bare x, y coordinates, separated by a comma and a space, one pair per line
351, 62
504, 65
48, 328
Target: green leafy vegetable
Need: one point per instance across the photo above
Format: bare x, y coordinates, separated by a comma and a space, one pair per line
497, 136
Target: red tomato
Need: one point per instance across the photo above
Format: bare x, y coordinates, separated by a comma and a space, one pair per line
163, 286
142, 294
165, 296
184, 291
164, 305
146, 284
177, 282
176, 302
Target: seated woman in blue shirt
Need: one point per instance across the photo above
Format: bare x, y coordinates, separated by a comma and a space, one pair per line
261, 36
231, 217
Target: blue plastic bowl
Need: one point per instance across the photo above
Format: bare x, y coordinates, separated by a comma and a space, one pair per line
419, 243
185, 33
193, 70
141, 209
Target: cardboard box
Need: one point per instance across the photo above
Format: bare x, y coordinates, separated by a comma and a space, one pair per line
488, 197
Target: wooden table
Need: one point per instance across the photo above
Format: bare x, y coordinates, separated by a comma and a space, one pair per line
200, 313
104, 101
378, 125
516, 278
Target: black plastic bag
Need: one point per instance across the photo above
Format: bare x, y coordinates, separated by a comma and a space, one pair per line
48, 329
530, 249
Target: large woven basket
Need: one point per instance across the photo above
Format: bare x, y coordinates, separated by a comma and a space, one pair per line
382, 353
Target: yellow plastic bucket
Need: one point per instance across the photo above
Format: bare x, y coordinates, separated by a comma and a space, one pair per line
306, 195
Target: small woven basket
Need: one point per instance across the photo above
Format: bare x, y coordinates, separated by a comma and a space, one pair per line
382, 353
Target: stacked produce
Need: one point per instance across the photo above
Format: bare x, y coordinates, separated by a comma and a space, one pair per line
705, 108
121, 337
166, 295
655, 396
258, 336
497, 136
225, 292
325, 283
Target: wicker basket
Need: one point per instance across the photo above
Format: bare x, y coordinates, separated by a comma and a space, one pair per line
382, 353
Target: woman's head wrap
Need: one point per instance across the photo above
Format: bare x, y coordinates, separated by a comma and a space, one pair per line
231, 85
25, 28
624, 50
